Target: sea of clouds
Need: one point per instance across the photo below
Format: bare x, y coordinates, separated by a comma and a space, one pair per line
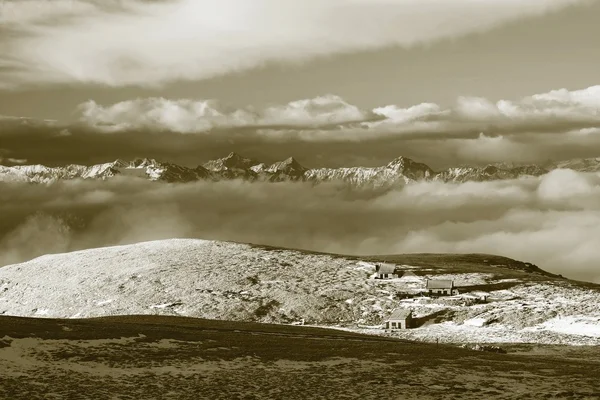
552, 221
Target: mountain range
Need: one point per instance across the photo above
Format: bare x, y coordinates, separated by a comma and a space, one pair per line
399, 171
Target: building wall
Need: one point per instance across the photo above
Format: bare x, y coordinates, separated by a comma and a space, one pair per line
400, 324
441, 291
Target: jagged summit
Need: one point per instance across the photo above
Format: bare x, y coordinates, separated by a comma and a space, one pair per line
288, 169
119, 163
232, 161
411, 169
144, 162
489, 172
401, 160
289, 164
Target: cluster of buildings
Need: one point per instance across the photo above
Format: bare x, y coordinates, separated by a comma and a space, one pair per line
403, 318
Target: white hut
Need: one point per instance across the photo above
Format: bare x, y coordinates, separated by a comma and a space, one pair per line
401, 318
441, 287
385, 271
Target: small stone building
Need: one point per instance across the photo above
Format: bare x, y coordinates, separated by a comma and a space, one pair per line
441, 287
401, 318
385, 271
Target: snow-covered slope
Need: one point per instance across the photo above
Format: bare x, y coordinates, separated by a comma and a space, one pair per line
142, 168
583, 165
233, 281
402, 170
233, 166
489, 173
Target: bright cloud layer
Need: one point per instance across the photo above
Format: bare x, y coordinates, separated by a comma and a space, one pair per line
558, 111
194, 116
136, 42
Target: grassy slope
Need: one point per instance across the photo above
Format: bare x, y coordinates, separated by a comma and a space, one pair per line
153, 357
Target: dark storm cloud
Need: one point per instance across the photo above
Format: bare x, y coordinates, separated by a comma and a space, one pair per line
553, 221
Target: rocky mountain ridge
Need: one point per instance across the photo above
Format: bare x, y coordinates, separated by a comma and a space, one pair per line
402, 170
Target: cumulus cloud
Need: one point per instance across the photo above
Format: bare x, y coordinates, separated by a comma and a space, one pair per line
194, 116
184, 116
552, 221
556, 111
136, 42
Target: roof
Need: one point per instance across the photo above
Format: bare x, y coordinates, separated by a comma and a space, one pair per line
386, 269
439, 284
400, 313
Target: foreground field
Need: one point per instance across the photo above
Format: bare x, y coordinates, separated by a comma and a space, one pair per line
152, 357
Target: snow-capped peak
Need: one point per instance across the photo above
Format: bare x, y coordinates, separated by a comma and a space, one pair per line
232, 161
289, 164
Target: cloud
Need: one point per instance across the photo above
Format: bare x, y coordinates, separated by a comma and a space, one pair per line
197, 116
330, 117
325, 131
7, 160
38, 234
555, 111
552, 221
147, 43
183, 116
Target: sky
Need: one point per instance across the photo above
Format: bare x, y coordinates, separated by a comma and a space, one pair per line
186, 81
330, 82
56, 54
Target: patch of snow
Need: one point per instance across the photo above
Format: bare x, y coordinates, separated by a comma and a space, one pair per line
475, 322
571, 325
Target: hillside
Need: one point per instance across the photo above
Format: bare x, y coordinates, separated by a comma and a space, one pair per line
152, 357
239, 282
